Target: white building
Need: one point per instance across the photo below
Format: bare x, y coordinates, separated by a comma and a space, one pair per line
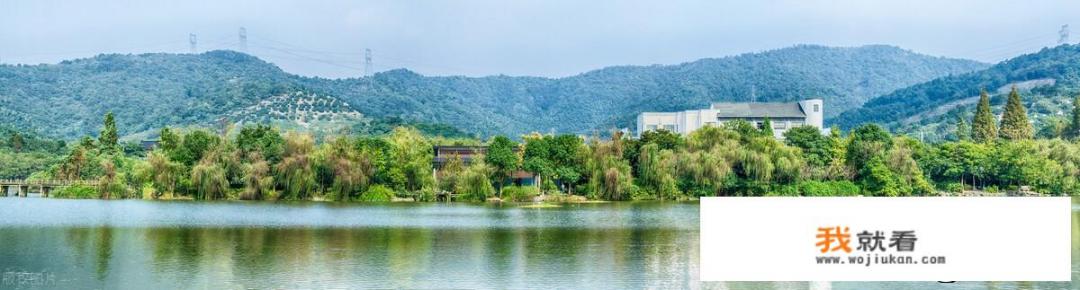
783, 116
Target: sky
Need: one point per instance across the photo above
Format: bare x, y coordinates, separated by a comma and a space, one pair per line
553, 38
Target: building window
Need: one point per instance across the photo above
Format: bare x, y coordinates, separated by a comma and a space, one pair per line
670, 128
650, 127
817, 108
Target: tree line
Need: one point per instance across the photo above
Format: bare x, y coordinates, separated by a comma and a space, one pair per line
257, 162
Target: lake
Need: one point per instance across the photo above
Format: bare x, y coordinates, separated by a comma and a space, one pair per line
135, 244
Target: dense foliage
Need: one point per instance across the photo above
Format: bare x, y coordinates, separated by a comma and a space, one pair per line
734, 159
150, 91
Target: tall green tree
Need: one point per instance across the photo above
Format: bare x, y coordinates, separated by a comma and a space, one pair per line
815, 148
500, 155
984, 128
1014, 122
1074, 126
16, 142
766, 127
108, 139
962, 131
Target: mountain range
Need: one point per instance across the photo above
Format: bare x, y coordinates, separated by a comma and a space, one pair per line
1048, 80
148, 91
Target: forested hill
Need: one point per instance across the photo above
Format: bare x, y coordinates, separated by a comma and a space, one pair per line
148, 91
1048, 79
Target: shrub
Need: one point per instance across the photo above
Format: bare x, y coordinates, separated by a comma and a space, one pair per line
520, 193
954, 187
784, 190
377, 193
77, 191
829, 188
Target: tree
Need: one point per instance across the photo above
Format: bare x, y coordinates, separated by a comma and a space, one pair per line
475, 182
565, 160
193, 146
537, 156
664, 139
258, 183
962, 131
16, 142
766, 127
168, 140
815, 147
867, 141
1014, 122
108, 139
500, 155
1074, 127
984, 128
411, 158
262, 139
657, 171
209, 180
294, 172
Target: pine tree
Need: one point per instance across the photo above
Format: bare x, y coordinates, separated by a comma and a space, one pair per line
1014, 122
1074, 127
983, 127
963, 132
108, 138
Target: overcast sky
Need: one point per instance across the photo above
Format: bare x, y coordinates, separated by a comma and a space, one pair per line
542, 38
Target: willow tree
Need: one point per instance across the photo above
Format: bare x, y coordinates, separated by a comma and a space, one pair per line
707, 162
208, 178
294, 172
984, 127
1014, 122
258, 182
475, 182
351, 171
165, 173
657, 171
110, 185
609, 174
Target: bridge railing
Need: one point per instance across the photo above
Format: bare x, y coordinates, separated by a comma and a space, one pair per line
47, 182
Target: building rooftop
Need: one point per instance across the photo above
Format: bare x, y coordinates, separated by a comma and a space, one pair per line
758, 110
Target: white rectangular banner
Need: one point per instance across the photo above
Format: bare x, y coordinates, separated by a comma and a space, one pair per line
885, 239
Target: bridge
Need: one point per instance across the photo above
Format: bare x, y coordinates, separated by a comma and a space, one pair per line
23, 187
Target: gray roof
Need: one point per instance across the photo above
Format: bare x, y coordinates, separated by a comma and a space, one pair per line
758, 110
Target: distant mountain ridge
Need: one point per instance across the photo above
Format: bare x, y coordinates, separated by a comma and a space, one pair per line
1048, 80
147, 91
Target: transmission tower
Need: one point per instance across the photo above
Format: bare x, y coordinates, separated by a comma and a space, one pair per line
367, 61
243, 39
192, 41
1064, 33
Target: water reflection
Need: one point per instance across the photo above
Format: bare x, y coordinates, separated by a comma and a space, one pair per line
633, 246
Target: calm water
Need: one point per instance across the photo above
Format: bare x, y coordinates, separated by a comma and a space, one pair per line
93, 244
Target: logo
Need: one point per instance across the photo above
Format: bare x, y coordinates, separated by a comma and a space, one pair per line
873, 248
